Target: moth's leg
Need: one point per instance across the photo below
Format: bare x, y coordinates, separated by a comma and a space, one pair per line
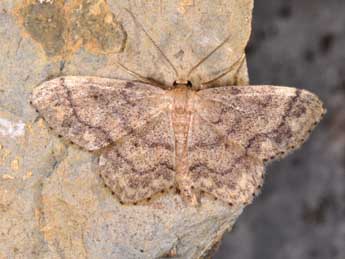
188, 193
153, 42
237, 64
206, 57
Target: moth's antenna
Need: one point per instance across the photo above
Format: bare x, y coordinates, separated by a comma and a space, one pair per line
141, 77
239, 62
153, 42
207, 56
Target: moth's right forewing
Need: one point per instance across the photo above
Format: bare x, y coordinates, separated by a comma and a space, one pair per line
235, 129
220, 166
268, 121
94, 112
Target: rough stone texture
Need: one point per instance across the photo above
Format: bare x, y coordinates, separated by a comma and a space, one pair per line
300, 214
52, 203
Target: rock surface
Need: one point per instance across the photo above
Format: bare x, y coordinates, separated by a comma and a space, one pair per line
52, 203
300, 214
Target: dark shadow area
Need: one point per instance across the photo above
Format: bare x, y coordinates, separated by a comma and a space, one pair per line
301, 211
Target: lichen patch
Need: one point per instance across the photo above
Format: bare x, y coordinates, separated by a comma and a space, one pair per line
46, 24
62, 28
94, 26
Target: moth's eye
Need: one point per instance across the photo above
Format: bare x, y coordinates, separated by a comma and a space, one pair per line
184, 83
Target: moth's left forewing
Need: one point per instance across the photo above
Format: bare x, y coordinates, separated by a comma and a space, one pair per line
94, 112
142, 163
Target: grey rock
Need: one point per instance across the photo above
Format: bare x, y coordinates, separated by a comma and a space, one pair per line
52, 203
300, 214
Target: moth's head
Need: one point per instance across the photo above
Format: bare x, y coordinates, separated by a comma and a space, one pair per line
185, 83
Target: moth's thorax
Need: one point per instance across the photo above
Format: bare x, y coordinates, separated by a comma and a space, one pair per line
183, 100
181, 110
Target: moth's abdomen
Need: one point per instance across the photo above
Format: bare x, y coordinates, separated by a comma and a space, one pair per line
182, 112
181, 116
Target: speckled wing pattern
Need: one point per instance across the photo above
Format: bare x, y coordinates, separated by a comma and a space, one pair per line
127, 121
267, 121
231, 133
237, 129
142, 163
220, 166
94, 112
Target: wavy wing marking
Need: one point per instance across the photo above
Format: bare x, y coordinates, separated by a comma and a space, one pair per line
268, 121
236, 129
94, 112
142, 163
220, 166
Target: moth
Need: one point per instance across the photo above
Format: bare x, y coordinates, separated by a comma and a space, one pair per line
153, 138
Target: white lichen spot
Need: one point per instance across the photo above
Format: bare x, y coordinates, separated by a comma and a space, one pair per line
11, 129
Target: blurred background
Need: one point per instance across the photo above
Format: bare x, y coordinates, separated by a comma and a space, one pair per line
301, 211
